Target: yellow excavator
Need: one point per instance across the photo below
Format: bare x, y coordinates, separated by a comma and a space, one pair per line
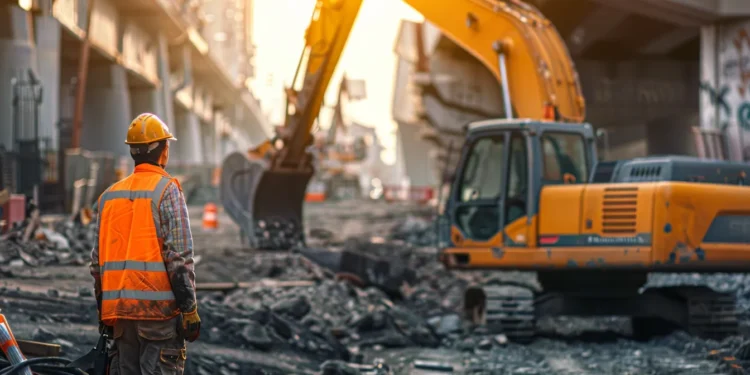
263, 189
529, 193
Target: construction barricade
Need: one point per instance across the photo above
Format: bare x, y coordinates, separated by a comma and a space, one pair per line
416, 194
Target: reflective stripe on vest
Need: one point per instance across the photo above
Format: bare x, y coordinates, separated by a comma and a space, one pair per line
155, 196
135, 282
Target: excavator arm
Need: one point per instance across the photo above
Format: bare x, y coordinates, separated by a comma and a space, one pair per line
263, 190
521, 48
325, 39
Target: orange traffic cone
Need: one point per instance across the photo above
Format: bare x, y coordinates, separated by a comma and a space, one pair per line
210, 217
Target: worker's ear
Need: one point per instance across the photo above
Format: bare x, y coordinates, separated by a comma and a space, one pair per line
164, 158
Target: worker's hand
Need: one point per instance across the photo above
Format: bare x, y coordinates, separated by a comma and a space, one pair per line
191, 325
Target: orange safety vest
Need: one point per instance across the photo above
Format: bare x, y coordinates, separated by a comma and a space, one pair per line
135, 282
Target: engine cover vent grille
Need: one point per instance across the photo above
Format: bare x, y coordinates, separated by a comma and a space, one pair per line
619, 209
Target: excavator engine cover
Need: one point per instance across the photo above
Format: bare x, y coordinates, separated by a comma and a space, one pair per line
267, 205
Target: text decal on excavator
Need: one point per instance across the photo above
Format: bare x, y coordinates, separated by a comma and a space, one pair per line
643, 239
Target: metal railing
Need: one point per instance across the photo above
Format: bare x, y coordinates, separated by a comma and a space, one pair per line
710, 143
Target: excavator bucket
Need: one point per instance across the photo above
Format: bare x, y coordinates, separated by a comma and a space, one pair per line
265, 204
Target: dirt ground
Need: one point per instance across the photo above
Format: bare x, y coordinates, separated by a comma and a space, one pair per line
55, 304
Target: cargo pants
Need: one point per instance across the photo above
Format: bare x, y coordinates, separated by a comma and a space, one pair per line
147, 347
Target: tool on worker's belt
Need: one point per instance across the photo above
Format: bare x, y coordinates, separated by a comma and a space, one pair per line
96, 361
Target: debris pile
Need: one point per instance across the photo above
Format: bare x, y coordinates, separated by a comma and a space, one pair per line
415, 230
67, 242
282, 314
331, 319
242, 265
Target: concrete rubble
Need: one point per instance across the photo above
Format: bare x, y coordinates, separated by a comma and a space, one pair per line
66, 242
324, 323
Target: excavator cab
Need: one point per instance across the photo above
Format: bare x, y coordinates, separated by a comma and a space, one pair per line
505, 163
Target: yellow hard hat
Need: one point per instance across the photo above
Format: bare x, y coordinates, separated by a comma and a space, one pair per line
147, 128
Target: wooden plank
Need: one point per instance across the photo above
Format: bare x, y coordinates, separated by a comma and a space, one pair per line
38, 349
226, 286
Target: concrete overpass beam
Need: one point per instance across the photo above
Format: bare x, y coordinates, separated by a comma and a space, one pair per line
595, 27
733, 8
669, 41
722, 8
674, 12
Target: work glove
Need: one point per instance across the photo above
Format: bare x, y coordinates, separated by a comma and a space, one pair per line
191, 325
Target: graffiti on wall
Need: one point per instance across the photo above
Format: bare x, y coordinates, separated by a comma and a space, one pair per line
725, 85
736, 72
718, 99
741, 44
743, 116
741, 64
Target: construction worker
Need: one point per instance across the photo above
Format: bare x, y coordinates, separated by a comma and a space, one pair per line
142, 262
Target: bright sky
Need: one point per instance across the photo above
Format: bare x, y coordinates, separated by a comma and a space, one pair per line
278, 33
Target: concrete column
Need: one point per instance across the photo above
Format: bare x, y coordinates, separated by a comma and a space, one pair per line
725, 91
48, 54
17, 55
219, 146
226, 146
107, 112
147, 100
208, 138
189, 143
67, 92
166, 98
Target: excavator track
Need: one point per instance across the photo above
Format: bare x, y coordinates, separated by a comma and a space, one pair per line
708, 313
713, 315
510, 311
503, 309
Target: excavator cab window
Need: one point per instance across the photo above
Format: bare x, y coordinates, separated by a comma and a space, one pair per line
517, 189
480, 187
564, 158
482, 178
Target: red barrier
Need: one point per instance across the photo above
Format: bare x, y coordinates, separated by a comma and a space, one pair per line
13, 211
418, 194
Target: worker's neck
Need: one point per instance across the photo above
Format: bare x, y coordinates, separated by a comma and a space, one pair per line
152, 163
